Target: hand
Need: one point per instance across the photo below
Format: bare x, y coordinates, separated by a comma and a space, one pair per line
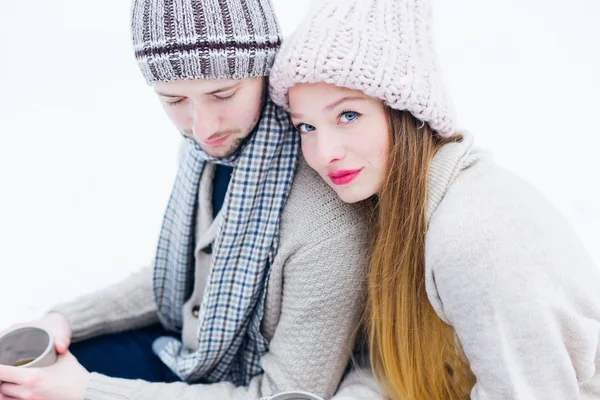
57, 325
65, 380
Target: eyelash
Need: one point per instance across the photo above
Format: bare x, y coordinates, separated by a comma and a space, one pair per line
174, 103
225, 98
298, 127
358, 115
218, 98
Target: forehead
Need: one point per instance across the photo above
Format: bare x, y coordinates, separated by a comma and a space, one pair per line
307, 98
323, 90
195, 86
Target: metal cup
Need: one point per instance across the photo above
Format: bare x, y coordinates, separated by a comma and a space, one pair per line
294, 395
27, 347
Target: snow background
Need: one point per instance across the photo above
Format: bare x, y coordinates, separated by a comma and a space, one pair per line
87, 156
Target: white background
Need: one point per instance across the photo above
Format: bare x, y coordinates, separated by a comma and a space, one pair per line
87, 157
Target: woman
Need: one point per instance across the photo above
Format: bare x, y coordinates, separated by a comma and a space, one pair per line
478, 287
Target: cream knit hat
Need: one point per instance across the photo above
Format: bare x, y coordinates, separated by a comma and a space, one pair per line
383, 48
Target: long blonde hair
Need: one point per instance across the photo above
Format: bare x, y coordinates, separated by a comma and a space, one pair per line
415, 355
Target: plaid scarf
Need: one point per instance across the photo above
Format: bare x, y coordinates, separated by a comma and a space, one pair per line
230, 343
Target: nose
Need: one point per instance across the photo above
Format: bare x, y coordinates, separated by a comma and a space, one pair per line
204, 123
329, 148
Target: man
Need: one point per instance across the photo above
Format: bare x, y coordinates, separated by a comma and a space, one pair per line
257, 285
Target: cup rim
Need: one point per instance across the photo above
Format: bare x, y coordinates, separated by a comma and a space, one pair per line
288, 394
46, 351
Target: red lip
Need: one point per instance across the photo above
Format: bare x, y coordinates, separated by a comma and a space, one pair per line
217, 141
343, 177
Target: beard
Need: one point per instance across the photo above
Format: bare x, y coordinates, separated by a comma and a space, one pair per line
240, 136
233, 148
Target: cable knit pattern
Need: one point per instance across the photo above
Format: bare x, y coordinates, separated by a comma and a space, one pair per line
383, 48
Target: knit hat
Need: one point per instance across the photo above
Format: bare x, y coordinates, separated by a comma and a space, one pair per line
383, 48
204, 39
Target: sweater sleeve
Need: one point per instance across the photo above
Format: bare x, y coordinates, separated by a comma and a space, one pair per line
512, 278
323, 297
359, 384
126, 305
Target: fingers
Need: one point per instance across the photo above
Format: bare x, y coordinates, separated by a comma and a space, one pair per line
14, 375
59, 326
62, 345
12, 391
68, 357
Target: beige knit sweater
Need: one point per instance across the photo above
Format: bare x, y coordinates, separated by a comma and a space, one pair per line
503, 267
508, 273
315, 297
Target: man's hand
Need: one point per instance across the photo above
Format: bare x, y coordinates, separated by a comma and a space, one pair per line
57, 325
65, 380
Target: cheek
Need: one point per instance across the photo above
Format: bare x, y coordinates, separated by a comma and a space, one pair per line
310, 153
381, 148
179, 116
237, 116
369, 146
378, 145
242, 110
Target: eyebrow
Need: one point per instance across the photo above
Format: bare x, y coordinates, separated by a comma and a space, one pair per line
226, 88
332, 105
220, 90
166, 94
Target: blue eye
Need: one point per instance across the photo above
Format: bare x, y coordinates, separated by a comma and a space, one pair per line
348, 116
305, 128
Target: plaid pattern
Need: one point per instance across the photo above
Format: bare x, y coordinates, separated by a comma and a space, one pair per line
230, 344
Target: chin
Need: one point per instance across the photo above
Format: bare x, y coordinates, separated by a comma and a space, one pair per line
350, 196
218, 153
221, 152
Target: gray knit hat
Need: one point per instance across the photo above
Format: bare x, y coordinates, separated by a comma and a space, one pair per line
204, 39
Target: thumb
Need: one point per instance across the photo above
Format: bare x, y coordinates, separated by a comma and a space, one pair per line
62, 340
61, 348
62, 344
59, 326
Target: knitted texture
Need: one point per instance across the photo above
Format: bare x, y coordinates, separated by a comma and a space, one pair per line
315, 297
383, 48
204, 39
